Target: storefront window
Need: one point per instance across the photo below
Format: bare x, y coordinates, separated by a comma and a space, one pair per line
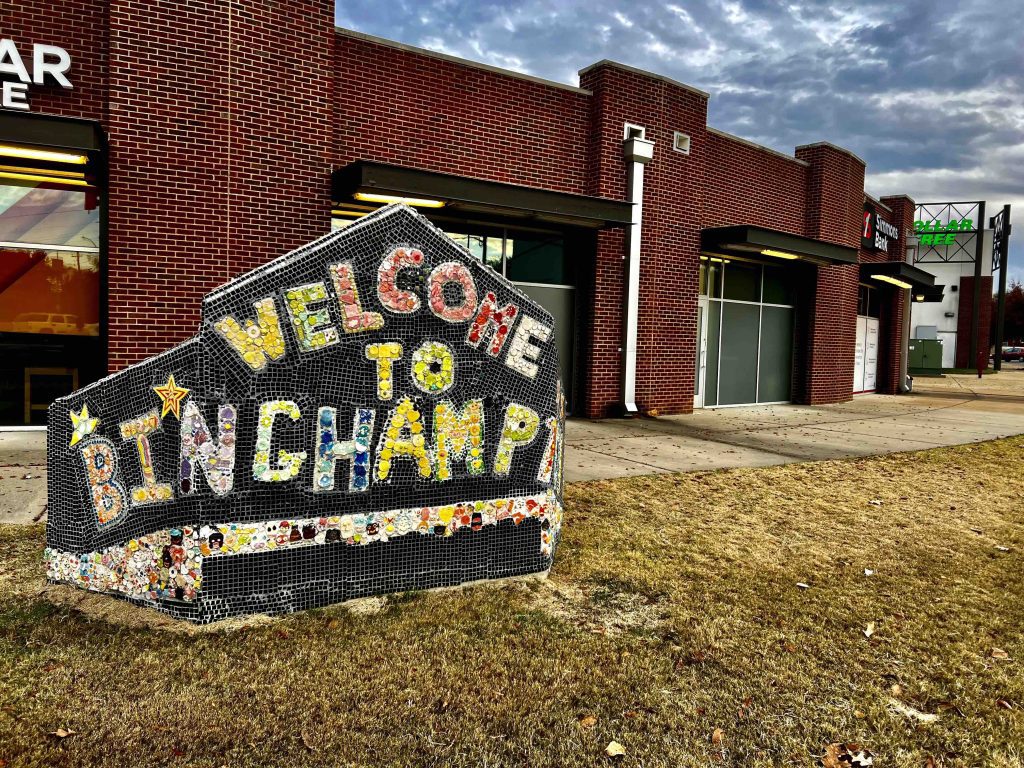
867, 302
536, 260
49, 295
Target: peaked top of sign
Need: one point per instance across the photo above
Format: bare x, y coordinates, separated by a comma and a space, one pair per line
387, 276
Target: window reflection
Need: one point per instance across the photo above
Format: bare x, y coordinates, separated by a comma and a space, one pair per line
47, 214
49, 292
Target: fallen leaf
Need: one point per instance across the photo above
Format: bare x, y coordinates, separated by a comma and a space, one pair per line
307, 740
908, 711
859, 714
998, 653
745, 706
840, 755
802, 585
896, 689
868, 572
1003, 704
631, 714
614, 749
717, 737
875, 502
588, 722
177, 751
870, 630
788, 647
930, 762
1001, 548
63, 733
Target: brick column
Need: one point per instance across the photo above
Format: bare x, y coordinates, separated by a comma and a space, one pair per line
670, 245
892, 345
835, 202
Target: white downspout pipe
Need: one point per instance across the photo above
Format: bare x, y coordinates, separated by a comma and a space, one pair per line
637, 153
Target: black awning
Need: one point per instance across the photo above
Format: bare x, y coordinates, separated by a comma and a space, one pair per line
928, 295
50, 131
754, 241
479, 196
887, 271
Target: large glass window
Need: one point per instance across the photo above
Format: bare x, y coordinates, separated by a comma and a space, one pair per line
49, 295
749, 332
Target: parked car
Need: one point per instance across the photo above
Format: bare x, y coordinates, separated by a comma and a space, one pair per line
1013, 353
45, 322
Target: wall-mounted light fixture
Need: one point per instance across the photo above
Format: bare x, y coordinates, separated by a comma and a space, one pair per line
779, 254
892, 281
419, 202
39, 177
44, 155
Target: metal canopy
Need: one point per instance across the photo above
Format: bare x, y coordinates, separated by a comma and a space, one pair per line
750, 240
898, 270
479, 196
48, 131
928, 295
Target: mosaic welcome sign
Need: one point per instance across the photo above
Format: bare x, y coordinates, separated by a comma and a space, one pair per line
376, 411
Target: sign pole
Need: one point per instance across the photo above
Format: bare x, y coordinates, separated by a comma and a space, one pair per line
1002, 233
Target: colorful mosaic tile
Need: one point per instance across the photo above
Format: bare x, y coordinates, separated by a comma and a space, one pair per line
402, 429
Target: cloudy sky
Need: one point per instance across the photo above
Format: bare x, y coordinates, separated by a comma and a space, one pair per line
929, 92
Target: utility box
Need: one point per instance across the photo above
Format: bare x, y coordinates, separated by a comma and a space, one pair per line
925, 358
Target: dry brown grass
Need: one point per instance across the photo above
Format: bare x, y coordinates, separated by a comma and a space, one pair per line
672, 611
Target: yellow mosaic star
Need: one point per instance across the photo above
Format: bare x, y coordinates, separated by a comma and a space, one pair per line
83, 424
171, 396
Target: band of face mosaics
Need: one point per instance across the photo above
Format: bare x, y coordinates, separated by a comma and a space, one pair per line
420, 424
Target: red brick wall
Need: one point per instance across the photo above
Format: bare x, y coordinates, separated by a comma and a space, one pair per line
225, 120
749, 185
674, 186
890, 336
835, 205
79, 27
963, 321
397, 106
219, 136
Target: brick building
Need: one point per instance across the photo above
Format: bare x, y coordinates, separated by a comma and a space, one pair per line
686, 267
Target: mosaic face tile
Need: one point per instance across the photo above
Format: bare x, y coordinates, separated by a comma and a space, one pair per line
375, 411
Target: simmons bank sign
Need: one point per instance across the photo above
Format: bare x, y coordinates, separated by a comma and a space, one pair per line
30, 65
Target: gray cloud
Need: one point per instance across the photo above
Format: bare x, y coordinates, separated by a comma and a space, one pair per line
930, 92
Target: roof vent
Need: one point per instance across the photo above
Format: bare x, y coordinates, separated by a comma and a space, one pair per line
681, 142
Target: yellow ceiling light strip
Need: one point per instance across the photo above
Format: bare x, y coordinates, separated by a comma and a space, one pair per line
779, 254
43, 171
892, 281
44, 155
420, 202
42, 178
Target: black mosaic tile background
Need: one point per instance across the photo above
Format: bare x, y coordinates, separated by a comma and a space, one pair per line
339, 376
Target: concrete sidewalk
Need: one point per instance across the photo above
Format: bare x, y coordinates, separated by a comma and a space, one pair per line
757, 436
941, 412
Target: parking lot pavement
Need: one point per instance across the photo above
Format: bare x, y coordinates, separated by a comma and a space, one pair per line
951, 410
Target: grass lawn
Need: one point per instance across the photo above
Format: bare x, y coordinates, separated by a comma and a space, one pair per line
673, 612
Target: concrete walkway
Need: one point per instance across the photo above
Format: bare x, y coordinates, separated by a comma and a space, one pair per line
937, 414
947, 411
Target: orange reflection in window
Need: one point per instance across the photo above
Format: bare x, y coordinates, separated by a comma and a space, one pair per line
50, 292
